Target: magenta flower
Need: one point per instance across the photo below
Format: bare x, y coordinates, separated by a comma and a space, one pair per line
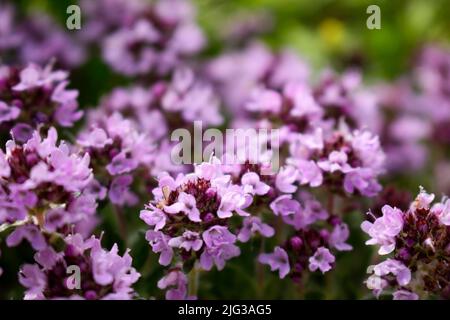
416, 238
188, 241
189, 216
105, 274
35, 96
175, 282
278, 260
253, 225
384, 230
322, 260
29, 232
117, 49
285, 179
405, 295
284, 205
253, 185
160, 244
339, 236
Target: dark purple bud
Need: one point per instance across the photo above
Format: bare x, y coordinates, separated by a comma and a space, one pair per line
335, 220
324, 234
208, 217
21, 132
410, 242
404, 254
17, 103
70, 251
296, 243
90, 295
41, 117
32, 159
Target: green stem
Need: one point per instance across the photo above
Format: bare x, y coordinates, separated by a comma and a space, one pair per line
121, 221
260, 271
193, 281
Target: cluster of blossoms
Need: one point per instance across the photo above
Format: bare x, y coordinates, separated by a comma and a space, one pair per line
157, 109
237, 74
103, 274
119, 153
37, 39
165, 105
139, 38
315, 231
35, 97
327, 128
418, 240
191, 218
44, 186
276, 87
342, 161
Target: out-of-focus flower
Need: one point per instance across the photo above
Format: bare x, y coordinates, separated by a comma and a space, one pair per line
118, 151
104, 274
33, 97
142, 38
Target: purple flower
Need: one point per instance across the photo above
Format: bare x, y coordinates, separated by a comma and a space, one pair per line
29, 232
187, 204
132, 51
218, 255
35, 96
176, 284
32, 278
253, 185
423, 200
97, 139
218, 235
8, 113
362, 180
286, 178
112, 275
278, 260
322, 260
119, 192
306, 215
337, 161
415, 238
190, 213
263, 100
391, 266
188, 241
308, 172
116, 141
219, 247
339, 236
304, 104
284, 205
384, 229
405, 295
442, 211
153, 216
252, 225
234, 199
43, 40
159, 243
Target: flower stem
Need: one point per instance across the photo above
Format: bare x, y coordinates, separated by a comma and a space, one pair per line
330, 203
193, 281
121, 221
